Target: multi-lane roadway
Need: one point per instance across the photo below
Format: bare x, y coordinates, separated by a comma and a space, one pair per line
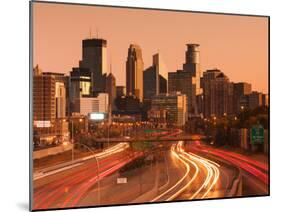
180, 171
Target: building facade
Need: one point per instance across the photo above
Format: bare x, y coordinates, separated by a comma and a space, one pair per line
61, 103
154, 82
94, 58
187, 81
217, 94
240, 89
181, 81
174, 105
44, 96
128, 104
134, 72
62, 93
86, 105
80, 83
49, 108
110, 88
255, 100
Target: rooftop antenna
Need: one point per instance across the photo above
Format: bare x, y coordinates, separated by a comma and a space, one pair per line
97, 31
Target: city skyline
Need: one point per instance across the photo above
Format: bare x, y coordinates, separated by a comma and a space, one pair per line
191, 124
48, 44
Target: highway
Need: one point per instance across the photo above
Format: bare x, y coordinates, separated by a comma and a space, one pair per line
181, 171
65, 188
203, 178
254, 173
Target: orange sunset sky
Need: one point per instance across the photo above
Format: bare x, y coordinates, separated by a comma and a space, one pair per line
237, 45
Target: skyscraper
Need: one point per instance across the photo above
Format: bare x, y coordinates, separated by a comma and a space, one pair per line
94, 58
187, 81
157, 60
110, 88
134, 72
192, 66
153, 81
217, 94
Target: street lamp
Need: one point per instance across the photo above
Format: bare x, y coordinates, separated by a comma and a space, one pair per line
98, 170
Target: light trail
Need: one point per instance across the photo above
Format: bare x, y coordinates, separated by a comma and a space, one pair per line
62, 167
175, 154
113, 150
87, 185
248, 167
196, 161
189, 183
213, 174
41, 195
47, 195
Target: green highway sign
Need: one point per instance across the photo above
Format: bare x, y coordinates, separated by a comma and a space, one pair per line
257, 134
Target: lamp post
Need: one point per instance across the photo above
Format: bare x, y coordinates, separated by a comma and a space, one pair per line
98, 170
72, 139
97, 162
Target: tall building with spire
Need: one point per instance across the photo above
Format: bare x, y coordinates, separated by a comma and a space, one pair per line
134, 72
187, 81
94, 58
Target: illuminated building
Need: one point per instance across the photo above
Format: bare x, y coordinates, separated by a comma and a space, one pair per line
174, 105
86, 105
94, 58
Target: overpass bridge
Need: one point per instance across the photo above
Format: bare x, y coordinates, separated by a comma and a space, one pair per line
153, 139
